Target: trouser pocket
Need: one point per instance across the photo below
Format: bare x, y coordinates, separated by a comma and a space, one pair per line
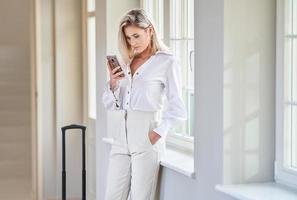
159, 145
152, 125
138, 129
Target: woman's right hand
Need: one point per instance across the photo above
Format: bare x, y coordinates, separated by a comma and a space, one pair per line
115, 76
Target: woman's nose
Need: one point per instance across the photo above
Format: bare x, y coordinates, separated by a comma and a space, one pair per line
132, 43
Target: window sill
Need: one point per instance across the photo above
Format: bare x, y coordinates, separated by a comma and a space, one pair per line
180, 162
175, 160
107, 140
259, 191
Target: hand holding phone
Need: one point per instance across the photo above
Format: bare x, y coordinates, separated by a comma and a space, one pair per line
114, 63
115, 71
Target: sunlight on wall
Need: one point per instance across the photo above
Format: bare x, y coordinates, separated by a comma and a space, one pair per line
249, 91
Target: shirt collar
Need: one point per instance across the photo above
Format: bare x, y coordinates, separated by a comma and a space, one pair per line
166, 52
163, 52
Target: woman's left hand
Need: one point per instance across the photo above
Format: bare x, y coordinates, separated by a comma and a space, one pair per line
154, 137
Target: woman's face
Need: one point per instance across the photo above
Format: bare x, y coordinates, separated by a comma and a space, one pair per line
138, 38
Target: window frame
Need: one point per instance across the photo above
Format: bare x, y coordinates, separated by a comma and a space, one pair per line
174, 140
283, 174
89, 120
87, 14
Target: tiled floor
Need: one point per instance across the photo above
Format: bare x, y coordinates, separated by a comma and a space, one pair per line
16, 189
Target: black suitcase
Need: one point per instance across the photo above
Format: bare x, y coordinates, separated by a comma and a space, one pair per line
83, 129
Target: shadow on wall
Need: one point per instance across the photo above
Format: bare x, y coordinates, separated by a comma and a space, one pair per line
249, 91
248, 133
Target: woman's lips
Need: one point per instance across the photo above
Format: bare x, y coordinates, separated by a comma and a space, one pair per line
136, 49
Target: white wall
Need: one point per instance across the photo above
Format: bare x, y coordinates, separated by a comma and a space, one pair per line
69, 104
249, 84
209, 24
45, 98
59, 87
101, 77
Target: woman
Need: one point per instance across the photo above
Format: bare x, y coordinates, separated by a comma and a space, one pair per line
151, 75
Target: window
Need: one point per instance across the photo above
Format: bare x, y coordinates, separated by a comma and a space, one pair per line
155, 9
286, 104
175, 22
89, 91
290, 85
91, 58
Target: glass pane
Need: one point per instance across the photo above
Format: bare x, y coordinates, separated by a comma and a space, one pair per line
176, 19
190, 18
288, 17
179, 49
191, 64
190, 85
191, 114
92, 67
91, 5
155, 10
181, 30
294, 137
294, 70
172, 19
288, 70
181, 22
182, 50
148, 7
287, 135
160, 14
294, 17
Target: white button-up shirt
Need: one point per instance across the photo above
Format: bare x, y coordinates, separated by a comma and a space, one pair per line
156, 80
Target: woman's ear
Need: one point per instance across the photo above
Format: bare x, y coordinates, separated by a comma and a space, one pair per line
151, 31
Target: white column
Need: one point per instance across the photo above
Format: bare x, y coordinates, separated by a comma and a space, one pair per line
209, 63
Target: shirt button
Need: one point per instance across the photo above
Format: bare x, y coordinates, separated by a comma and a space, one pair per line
127, 103
129, 73
128, 92
137, 73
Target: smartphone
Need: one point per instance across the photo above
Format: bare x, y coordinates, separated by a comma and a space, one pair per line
113, 63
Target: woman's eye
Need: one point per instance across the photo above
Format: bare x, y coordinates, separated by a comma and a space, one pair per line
136, 36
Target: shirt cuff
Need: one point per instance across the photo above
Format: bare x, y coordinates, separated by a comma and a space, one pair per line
164, 127
114, 89
115, 93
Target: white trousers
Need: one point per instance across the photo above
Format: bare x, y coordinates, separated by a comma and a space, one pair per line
134, 161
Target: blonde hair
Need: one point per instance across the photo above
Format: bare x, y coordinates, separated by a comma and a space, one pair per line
138, 18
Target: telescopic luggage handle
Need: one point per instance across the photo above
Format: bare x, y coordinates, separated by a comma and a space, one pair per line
83, 129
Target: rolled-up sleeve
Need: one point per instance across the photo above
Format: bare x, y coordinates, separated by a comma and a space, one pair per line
175, 111
111, 99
